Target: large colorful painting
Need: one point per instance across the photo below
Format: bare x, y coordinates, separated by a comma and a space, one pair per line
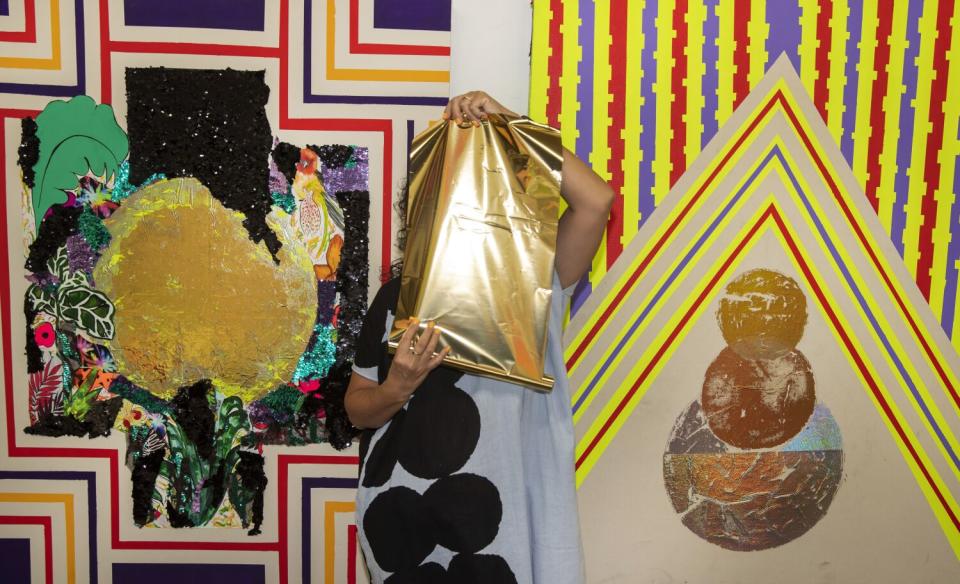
198, 199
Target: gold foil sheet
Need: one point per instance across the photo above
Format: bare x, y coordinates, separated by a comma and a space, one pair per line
482, 215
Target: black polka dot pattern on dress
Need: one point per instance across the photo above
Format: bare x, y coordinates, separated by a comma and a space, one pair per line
431, 573
399, 530
480, 569
466, 512
441, 431
383, 456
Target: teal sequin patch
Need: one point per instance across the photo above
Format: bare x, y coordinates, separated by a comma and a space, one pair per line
319, 357
122, 188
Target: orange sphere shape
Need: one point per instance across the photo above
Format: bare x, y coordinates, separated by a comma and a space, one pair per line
758, 403
763, 314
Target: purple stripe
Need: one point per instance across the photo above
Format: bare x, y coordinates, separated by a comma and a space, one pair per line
221, 14
406, 15
580, 294
15, 559
351, 99
206, 573
953, 251
59, 90
4, 7
711, 79
585, 90
784, 31
648, 113
905, 143
307, 485
91, 479
850, 91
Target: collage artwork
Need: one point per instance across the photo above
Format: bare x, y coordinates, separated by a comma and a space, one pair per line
201, 198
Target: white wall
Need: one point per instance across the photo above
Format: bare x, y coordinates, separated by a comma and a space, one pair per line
490, 50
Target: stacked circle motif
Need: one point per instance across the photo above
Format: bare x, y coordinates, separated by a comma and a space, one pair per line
756, 461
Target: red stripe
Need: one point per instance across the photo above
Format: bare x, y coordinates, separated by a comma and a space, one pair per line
878, 94
555, 64
678, 108
105, 81
616, 111
385, 49
741, 55
194, 49
351, 554
824, 40
45, 523
931, 171
29, 32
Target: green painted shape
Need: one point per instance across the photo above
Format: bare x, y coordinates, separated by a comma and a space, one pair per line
75, 136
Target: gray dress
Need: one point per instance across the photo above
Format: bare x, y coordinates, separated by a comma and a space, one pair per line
473, 480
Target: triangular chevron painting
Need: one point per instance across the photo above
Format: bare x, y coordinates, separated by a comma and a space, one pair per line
759, 371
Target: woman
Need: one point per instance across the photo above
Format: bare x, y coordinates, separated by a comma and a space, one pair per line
467, 479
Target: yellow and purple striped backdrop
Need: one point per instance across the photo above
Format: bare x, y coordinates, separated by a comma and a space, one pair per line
639, 87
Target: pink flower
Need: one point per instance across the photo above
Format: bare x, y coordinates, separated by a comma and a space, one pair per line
309, 385
44, 335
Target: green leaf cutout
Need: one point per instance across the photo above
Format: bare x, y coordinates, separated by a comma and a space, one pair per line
88, 309
59, 265
41, 300
75, 136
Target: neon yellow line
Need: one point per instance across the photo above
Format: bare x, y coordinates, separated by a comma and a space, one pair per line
725, 68
838, 62
808, 43
632, 127
600, 155
663, 92
696, 17
759, 30
865, 75
540, 53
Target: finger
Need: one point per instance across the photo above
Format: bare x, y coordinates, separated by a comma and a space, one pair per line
465, 103
475, 106
421, 345
455, 113
446, 112
432, 343
436, 360
406, 340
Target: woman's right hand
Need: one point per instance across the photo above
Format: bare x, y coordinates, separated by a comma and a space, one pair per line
415, 357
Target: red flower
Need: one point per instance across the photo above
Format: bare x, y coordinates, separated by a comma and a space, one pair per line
44, 335
309, 385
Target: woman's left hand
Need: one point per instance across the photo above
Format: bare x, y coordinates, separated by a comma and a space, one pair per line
472, 107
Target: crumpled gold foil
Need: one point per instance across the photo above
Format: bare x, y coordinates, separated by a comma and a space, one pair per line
482, 215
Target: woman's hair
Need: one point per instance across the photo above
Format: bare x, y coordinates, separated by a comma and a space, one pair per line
400, 207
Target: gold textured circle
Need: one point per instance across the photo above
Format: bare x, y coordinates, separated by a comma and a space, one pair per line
763, 314
196, 298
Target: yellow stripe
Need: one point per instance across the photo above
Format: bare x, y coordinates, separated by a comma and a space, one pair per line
808, 43
696, 16
572, 53
335, 74
66, 500
663, 93
759, 30
331, 508
838, 62
41, 63
865, 76
921, 127
600, 155
632, 127
886, 192
945, 194
725, 68
540, 53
